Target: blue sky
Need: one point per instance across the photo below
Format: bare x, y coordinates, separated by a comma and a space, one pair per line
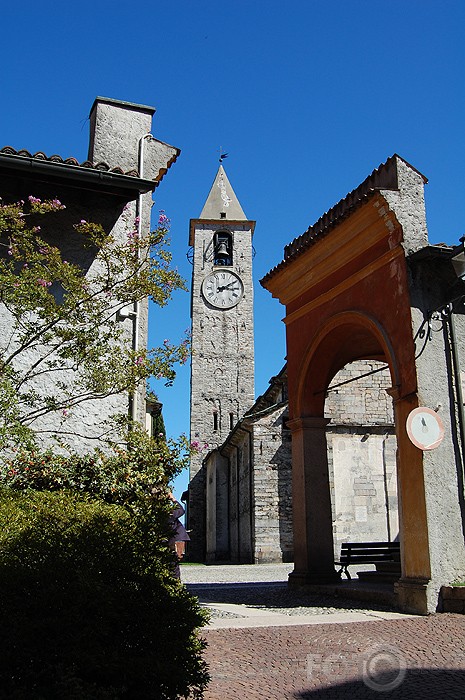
307, 97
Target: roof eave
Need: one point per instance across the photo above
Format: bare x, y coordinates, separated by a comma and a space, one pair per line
315, 237
383, 178
77, 176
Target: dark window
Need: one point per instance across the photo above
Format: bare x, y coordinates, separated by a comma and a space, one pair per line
215, 421
231, 421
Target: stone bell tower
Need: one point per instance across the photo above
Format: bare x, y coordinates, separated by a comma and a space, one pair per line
222, 375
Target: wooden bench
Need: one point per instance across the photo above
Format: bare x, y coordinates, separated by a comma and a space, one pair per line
379, 553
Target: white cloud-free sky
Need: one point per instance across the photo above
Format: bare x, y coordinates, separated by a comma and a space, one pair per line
307, 97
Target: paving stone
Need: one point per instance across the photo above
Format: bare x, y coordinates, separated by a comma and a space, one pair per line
400, 659
384, 656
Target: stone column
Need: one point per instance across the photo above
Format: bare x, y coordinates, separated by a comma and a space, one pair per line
311, 503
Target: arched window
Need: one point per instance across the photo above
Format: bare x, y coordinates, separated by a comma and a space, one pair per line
222, 248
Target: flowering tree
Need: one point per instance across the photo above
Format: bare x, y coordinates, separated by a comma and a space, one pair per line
63, 341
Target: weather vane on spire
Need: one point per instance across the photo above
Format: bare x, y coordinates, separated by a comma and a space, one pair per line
222, 155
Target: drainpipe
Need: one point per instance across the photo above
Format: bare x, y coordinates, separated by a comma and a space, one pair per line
135, 313
458, 380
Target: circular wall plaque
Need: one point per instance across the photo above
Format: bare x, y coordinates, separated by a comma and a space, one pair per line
425, 428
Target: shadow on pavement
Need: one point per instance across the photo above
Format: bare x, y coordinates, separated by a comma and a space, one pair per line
276, 595
444, 684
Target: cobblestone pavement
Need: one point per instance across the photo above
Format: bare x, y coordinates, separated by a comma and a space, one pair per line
278, 644
260, 597
408, 659
234, 573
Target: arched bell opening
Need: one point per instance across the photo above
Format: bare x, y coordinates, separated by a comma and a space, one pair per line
223, 249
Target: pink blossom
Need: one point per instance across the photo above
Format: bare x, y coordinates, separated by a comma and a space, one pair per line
34, 200
43, 283
65, 412
140, 360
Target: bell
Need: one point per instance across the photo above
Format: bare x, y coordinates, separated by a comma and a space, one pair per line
222, 250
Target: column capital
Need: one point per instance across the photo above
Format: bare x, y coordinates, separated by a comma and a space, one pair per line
307, 423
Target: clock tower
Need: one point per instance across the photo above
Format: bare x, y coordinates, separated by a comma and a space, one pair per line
222, 374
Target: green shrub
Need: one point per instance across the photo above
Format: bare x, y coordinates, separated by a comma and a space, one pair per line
88, 606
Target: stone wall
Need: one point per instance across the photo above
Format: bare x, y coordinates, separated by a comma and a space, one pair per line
222, 373
272, 488
118, 146
363, 479
363, 401
362, 455
362, 467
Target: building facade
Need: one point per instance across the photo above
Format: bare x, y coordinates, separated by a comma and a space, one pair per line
222, 374
113, 187
379, 291
248, 493
240, 491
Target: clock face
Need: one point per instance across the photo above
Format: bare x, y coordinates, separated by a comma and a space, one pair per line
222, 289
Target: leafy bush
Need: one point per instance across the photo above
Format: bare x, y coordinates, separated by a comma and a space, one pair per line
63, 343
121, 475
89, 609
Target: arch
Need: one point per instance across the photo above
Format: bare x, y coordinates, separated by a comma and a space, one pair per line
340, 339
344, 338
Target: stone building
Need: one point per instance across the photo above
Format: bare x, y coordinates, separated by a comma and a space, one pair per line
222, 375
249, 480
379, 291
112, 187
240, 491
248, 499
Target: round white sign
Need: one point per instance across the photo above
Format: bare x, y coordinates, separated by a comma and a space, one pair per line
425, 428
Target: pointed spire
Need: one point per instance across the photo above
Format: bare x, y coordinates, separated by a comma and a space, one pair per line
222, 202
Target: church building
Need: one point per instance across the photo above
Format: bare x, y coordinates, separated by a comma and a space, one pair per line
240, 491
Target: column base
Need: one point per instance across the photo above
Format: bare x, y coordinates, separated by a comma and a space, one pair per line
412, 595
306, 578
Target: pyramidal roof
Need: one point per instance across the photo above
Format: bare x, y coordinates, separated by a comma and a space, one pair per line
222, 202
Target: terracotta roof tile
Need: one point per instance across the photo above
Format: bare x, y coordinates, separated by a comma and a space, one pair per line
9, 151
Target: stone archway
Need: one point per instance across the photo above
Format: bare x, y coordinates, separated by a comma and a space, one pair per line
346, 337
360, 284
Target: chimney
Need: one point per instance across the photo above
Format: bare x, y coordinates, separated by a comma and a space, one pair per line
116, 128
